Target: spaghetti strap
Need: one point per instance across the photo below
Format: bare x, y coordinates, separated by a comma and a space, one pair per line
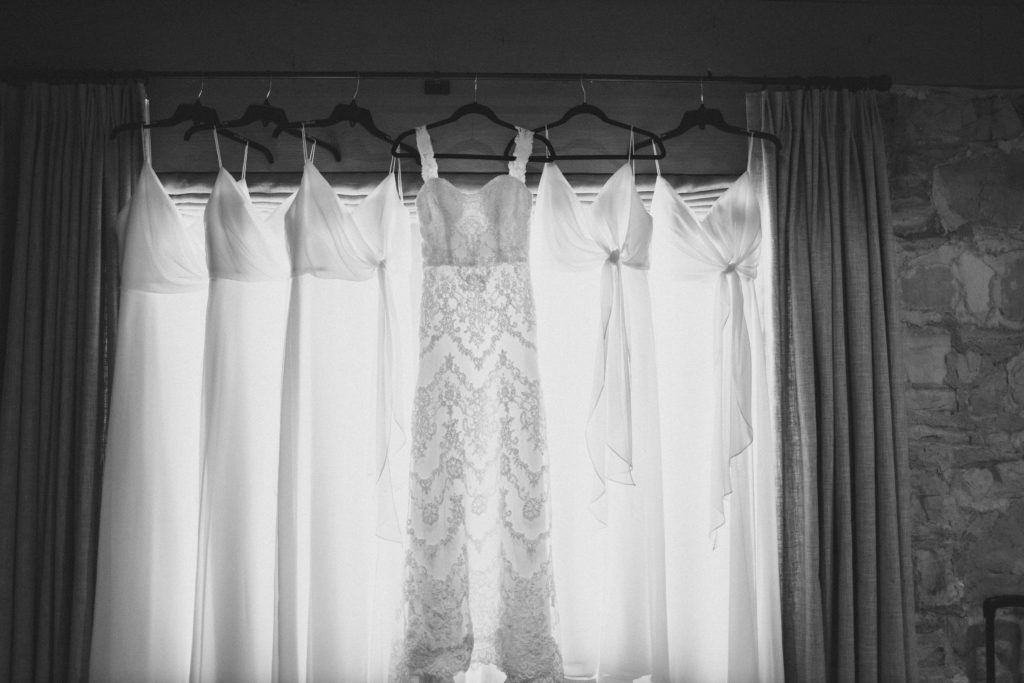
524, 145
427, 161
216, 144
147, 142
245, 159
632, 151
750, 153
395, 169
305, 154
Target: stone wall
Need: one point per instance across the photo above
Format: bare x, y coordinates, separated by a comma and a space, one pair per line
957, 175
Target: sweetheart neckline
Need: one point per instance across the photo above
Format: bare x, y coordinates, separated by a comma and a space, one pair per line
483, 187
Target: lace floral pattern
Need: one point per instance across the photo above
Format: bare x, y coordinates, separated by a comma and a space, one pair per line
476, 308
477, 228
478, 587
478, 576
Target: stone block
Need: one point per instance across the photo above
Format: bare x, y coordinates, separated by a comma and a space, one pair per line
980, 455
976, 482
943, 513
925, 432
925, 356
989, 395
987, 186
932, 400
965, 367
931, 650
1015, 378
1011, 289
974, 278
1011, 477
931, 455
929, 288
930, 571
997, 119
941, 117
912, 216
929, 483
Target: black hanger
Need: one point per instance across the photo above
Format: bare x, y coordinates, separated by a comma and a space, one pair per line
350, 113
264, 113
199, 114
473, 107
586, 108
702, 117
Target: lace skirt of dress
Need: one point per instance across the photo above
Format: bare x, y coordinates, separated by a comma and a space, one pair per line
478, 583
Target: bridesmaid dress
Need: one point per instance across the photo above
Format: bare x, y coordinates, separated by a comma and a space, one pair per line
241, 409
591, 264
339, 559
145, 574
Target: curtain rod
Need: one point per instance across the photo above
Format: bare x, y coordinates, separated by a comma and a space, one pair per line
880, 83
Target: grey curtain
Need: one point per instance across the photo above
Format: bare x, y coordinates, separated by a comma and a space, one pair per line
847, 577
61, 184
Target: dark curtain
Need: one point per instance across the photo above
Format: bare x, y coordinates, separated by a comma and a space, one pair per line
61, 186
847, 577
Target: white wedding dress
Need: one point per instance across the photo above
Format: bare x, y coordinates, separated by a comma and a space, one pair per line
145, 573
479, 578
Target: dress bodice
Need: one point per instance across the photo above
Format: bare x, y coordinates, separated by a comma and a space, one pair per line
240, 245
160, 252
481, 228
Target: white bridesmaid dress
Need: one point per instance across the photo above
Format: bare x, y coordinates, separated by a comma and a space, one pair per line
590, 264
339, 560
241, 410
145, 580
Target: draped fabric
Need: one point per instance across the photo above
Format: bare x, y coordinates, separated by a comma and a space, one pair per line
719, 457
146, 565
344, 397
233, 631
598, 371
847, 584
63, 182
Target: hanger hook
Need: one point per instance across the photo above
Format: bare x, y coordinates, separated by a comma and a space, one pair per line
584, 91
475, 83
202, 87
270, 87
359, 80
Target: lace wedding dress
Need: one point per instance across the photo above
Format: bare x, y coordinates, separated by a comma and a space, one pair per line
478, 576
